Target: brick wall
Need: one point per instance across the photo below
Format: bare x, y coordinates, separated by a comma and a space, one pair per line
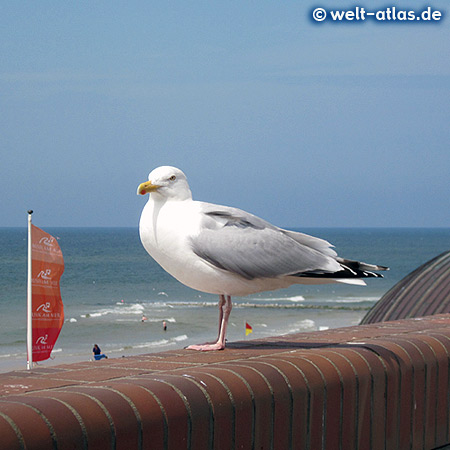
379, 386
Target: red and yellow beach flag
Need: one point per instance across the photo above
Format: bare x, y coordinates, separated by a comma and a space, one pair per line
248, 329
45, 307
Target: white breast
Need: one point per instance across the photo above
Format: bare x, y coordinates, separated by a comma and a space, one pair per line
165, 230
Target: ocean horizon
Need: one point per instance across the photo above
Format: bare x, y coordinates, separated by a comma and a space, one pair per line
110, 283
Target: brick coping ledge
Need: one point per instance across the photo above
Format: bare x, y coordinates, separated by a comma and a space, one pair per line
382, 385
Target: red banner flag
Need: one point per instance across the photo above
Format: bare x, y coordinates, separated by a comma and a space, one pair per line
47, 306
248, 329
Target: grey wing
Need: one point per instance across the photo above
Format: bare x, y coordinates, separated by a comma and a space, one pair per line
310, 241
236, 241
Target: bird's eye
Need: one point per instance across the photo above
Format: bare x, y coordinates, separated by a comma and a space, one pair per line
173, 178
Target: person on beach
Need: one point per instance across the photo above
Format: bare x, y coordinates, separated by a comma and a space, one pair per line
164, 325
98, 353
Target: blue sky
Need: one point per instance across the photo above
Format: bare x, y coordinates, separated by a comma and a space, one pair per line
303, 124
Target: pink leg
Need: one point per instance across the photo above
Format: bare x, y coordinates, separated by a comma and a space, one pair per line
222, 302
224, 322
225, 307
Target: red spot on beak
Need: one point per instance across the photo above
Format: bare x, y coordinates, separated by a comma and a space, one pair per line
143, 192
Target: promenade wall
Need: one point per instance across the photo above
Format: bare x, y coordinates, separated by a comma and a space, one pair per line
378, 386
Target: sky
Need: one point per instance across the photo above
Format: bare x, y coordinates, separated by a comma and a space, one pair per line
303, 123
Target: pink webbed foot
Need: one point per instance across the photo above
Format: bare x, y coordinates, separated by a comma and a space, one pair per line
224, 312
207, 347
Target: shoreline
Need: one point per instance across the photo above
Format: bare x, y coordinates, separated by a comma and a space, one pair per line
130, 336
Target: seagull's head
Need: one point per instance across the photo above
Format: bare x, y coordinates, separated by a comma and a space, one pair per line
167, 182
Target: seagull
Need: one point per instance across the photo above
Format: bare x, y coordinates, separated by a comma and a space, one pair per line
230, 252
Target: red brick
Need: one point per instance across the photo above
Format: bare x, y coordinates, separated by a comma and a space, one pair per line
32, 426
173, 407
443, 406
417, 354
298, 389
66, 428
222, 408
393, 394
154, 422
263, 401
10, 439
402, 364
316, 389
282, 399
127, 429
432, 354
242, 400
199, 409
94, 418
352, 390
333, 391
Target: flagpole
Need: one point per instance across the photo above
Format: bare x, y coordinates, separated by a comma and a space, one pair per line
29, 301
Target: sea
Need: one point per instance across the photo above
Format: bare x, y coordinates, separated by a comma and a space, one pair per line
110, 284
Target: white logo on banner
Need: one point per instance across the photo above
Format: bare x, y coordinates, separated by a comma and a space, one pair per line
42, 340
44, 307
47, 241
45, 274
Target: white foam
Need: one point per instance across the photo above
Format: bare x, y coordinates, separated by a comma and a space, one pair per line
293, 298
296, 298
352, 300
14, 355
152, 344
121, 309
129, 320
146, 345
302, 325
150, 319
307, 323
156, 304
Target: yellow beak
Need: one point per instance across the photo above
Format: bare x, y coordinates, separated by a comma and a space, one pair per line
147, 187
